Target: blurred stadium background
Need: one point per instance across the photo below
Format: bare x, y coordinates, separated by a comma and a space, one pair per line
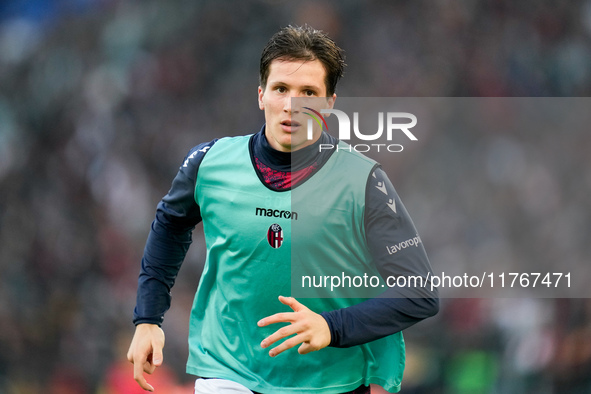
100, 101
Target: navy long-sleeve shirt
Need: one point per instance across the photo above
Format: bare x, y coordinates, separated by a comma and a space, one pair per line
387, 226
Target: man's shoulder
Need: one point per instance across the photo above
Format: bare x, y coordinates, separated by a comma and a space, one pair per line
230, 143
346, 151
222, 150
205, 146
196, 154
234, 139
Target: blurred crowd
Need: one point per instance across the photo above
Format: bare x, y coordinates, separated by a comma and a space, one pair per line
100, 101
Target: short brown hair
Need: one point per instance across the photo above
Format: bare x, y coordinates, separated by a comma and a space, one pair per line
304, 43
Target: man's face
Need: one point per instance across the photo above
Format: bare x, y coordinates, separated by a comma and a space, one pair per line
286, 125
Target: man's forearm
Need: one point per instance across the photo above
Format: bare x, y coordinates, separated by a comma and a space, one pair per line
163, 256
377, 318
169, 240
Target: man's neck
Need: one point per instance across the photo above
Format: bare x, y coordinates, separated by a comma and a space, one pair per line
288, 161
284, 170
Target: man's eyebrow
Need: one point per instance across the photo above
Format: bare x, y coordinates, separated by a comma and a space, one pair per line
269, 82
305, 87
311, 87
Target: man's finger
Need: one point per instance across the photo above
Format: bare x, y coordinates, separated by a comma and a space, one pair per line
283, 317
138, 375
287, 344
130, 355
283, 332
292, 303
149, 367
306, 348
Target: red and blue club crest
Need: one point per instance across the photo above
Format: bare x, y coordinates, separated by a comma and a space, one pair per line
275, 235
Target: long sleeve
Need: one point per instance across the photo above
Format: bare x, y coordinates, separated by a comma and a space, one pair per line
169, 239
388, 225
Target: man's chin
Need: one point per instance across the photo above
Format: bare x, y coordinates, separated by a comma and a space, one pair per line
290, 143
283, 145
297, 145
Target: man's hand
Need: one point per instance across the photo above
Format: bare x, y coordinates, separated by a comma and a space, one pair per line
145, 352
311, 329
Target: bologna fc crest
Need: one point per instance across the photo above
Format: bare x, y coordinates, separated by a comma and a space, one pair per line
275, 235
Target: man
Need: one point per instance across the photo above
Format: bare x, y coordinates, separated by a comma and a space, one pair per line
343, 344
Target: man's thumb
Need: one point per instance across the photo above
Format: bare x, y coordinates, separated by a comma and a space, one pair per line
157, 357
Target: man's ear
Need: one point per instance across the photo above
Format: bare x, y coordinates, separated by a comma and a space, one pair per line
332, 100
261, 92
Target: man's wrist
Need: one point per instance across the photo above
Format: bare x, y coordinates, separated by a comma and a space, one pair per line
328, 316
137, 322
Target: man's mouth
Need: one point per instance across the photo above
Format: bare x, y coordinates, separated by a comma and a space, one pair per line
290, 125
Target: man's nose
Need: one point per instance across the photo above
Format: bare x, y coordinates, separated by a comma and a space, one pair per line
292, 104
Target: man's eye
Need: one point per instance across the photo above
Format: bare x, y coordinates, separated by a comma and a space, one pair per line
309, 93
281, 89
